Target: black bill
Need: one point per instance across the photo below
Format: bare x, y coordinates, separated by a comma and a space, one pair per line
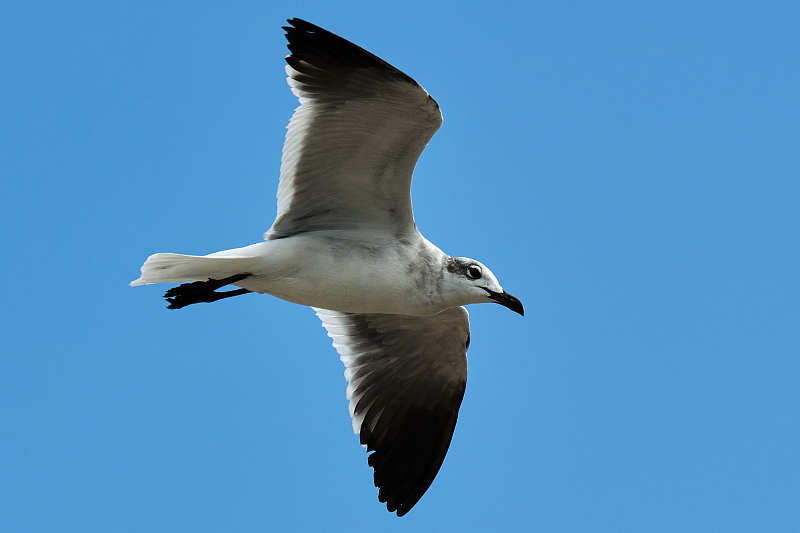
506, 300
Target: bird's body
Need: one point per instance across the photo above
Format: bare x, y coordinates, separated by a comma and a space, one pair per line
332, 270
345, 243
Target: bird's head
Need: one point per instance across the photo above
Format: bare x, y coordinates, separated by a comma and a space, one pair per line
471, 281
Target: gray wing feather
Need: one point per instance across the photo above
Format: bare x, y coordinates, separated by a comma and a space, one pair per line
352, 144
406, 378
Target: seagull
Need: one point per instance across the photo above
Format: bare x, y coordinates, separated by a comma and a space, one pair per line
344, 242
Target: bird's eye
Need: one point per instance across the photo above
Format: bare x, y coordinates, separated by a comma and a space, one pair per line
474, 272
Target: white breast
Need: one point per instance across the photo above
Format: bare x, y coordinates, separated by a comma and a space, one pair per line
360, 275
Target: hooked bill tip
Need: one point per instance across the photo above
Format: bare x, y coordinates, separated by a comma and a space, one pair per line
507, 300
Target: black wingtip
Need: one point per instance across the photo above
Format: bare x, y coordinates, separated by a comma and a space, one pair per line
322, 48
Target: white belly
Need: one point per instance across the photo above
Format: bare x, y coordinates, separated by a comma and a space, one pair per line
349, 276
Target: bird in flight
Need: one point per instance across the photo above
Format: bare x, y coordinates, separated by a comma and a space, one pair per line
344, 242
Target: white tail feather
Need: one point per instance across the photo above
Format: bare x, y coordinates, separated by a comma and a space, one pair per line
172, 268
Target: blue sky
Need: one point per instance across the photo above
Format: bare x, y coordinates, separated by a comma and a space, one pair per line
631, 172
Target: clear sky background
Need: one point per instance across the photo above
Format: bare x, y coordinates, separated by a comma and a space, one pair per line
630, 171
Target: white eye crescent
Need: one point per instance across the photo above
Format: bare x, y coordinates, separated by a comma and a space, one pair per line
474, 272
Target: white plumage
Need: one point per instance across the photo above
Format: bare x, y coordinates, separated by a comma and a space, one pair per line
344, 241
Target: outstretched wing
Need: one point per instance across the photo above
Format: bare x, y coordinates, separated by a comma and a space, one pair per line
352, 144
406, 377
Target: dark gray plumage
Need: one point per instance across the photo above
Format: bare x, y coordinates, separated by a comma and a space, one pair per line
406, 378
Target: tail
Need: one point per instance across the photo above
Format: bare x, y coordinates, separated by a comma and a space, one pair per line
173, 268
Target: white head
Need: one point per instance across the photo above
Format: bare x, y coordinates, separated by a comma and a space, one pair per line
470, 282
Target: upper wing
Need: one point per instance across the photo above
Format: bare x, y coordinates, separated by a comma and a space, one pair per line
352, 144
406, 377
